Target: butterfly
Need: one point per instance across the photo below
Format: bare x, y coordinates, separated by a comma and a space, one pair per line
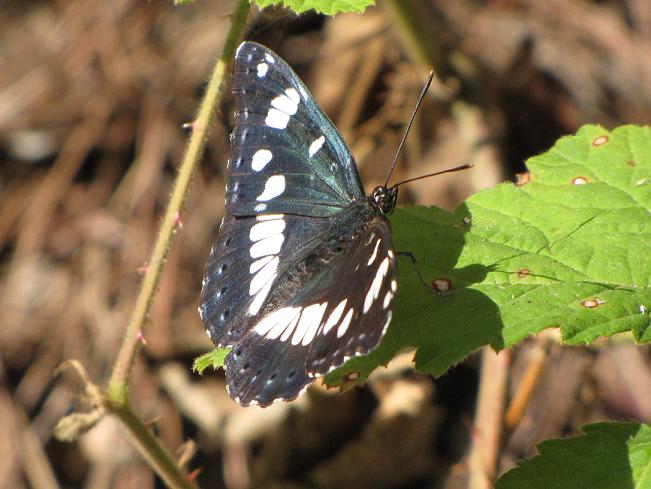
303, 274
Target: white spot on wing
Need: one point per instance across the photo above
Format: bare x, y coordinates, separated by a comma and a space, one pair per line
374, 289
290, 329
273, 187
260, 207
277, 119
310, 314
255, 306
287, 104
287, 321
282, 108
386, 324
274, 324
266, 229
314, 325
267, 246
269, 217
262, 69
263, 276
258, 264
372, 259
316, 145
394, 286
293, 95
333, 319
260, 159
269, 58
343, 327
387, 299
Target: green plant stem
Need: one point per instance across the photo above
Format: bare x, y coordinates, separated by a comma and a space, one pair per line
420, 33
119, 381
150, 448
116, 397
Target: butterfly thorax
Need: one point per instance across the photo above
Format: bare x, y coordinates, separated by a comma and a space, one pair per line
384, 199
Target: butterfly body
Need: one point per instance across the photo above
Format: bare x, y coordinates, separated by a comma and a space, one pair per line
302, 275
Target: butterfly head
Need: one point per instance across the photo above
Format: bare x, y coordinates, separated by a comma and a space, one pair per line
385, 198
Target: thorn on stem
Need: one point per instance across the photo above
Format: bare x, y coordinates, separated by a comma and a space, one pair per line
188, 127
192, 476
177, 220
141, 338
143, 269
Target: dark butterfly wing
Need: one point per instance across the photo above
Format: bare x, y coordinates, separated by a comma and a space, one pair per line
302, 275
341, 310
361, 293
251, 255
287, 157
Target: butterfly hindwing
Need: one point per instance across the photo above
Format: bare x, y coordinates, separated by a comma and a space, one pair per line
249, 258
341, 310
287, 157
361, 296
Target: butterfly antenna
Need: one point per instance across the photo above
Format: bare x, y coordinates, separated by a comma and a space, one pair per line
428, 82
449, 170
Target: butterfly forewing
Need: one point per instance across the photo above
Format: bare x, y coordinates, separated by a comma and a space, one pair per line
286, 156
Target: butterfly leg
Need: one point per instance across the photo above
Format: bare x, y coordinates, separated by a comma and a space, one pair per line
414, 262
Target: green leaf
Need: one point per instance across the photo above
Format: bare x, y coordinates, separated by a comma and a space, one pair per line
327, 7
608, 456
550, 253
214, 359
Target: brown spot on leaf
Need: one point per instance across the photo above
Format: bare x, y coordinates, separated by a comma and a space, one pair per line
523, 272
591, 303
631, 163
522, 178
579, 181
442, 284
351, 376
598, 141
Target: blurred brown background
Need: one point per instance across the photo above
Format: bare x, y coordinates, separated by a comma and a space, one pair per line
92, 97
